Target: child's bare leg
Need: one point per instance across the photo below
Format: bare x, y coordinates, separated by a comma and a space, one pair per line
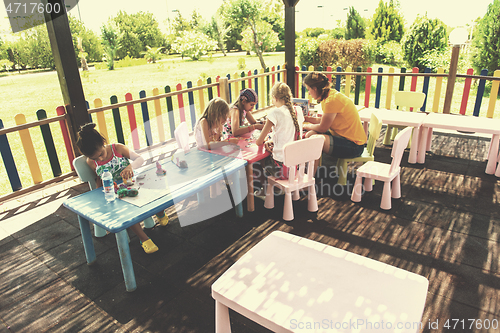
137, 229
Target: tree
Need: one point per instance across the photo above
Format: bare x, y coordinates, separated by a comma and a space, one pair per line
180, 24
387, 23
424, 35
193, 44
249, 13
273, 14
91, 44
355, 26
111, 43
196, 20
268, 39
136, 31
487, 40
218, 31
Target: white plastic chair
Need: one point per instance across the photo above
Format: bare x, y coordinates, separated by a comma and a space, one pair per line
295, 156
384, 172
86, 174
404, 100
374, 132
182, 136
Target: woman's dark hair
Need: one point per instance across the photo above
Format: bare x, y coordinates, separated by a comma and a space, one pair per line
318, 81
89, 140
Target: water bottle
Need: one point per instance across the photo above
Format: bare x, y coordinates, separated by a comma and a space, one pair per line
109, 189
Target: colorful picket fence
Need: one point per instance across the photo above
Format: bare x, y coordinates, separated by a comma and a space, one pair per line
373, 100
152, 125
159, 113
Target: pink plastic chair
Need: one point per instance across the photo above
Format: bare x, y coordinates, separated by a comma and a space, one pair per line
295, 156
384, 172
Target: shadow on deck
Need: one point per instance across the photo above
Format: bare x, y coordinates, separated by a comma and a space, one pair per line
445, 227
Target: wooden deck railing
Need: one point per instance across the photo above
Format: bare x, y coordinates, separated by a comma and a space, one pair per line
149, 129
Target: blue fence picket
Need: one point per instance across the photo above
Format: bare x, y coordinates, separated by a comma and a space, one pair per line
303, 89
480, 93
8, 161
50, 147
278, 77
338, 79
229, 88
145, 119
192, 110
378, 90
425, 88
90, 116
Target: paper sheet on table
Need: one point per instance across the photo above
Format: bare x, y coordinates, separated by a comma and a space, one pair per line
151, 187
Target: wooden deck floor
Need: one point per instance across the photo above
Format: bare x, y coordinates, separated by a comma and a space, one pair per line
445, 227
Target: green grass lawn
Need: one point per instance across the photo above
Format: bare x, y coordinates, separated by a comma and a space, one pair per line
27, 93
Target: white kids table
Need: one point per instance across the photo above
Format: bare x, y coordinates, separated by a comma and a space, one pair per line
288, 283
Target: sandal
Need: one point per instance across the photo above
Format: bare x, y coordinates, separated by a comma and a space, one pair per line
162, 220
149, 247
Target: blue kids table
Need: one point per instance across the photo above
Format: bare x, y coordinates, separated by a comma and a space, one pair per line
204, 169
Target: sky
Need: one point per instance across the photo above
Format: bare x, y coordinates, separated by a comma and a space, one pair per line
309, 13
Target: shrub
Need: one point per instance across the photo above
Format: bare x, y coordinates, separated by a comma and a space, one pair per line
389, 53
241, 63
193, 44
424, 35
487, 41
307, 49
344, 53
435, 59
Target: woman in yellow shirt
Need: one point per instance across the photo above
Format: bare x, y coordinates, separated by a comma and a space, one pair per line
340, 124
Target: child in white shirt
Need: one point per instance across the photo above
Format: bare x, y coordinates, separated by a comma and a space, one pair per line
286, 123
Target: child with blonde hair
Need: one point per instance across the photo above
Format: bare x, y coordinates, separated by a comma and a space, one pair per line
239, 111
286, 122
208, 128
116, 158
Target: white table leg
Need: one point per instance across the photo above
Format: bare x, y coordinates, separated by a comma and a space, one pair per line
422, 145
414, 146
222, 322
492, 155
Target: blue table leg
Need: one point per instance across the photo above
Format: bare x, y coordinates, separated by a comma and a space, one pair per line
236, 192
126, 260
88, 243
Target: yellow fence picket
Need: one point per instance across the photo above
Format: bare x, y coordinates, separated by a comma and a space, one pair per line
29, 150
493, 95
101, 121
262, 90
159, 117
201, 97
390, 83
437, 91
347, 90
